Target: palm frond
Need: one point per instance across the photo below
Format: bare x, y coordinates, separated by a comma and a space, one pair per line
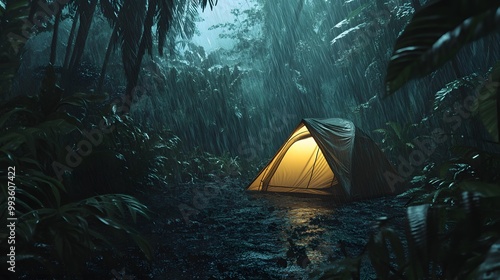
164, 21
435, 34
110, 10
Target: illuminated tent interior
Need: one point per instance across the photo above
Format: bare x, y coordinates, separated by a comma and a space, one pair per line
327, 157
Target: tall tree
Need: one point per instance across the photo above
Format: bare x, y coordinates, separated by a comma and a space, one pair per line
161, 13
86, 11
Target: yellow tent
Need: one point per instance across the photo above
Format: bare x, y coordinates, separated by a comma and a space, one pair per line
326, 156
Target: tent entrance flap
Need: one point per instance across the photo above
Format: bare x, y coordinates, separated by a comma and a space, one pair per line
302, 167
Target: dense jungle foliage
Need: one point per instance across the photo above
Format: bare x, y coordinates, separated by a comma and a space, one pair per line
105, 101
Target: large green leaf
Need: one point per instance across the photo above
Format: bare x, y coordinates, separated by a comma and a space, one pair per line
48, 131
435, 34
8, 115
490, 268
417, 219
379, 255
486, 107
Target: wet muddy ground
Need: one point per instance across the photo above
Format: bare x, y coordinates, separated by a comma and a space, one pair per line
219, 231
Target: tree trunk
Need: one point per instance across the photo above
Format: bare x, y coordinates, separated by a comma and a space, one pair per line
86, 16
134, 77
53, 46
109, 50
70, 42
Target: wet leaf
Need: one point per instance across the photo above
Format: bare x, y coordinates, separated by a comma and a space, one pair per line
435, 34
486, 107
379, 255
417, 218
490, 268
143, 245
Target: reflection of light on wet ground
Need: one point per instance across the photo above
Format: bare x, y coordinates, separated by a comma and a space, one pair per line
304, 216
311, 221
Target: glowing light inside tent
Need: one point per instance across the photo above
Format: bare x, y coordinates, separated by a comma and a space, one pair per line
303, 166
